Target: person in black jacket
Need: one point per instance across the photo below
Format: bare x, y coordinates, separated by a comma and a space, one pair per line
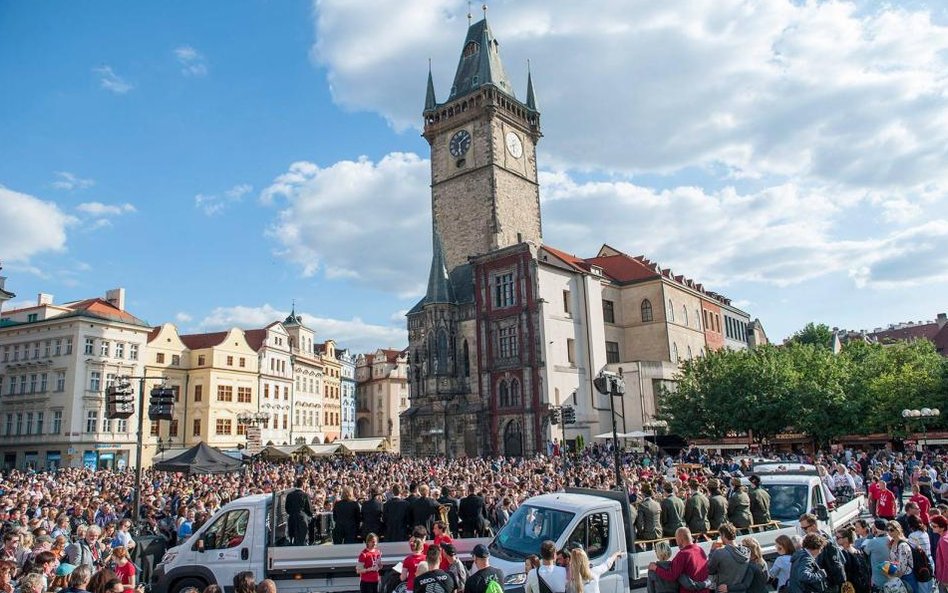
805, 575
424, 509
372, 513
447, 498
299, 512
472, 512
348, 516
395, 516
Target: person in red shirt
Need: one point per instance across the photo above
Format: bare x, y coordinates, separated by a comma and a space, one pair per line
924, 505
369, 565
410, 563
124, 569
873, 495
885, 504
442, 536
690, 560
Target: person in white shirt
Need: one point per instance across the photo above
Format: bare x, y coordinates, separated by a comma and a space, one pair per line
548, 577
585, 578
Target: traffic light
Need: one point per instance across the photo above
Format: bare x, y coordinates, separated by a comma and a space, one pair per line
161, 404
602, 384
120, 400
554, 416
569, 415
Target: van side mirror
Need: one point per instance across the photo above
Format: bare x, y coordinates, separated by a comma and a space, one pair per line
821, 513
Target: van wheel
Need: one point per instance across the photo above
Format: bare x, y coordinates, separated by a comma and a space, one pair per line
184, 583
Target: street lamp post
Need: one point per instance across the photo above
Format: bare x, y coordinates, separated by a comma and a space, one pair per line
910, 414
251, 419
613, 385
654, 427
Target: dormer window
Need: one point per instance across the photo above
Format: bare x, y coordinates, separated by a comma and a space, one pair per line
470, 49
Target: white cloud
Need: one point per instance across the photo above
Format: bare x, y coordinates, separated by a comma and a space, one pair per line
362, 220
182, 317
100, 209
31, 226
354, 333
780, 236
98, 215
823, 94
68, 181
192, 61
111, 81
213, 204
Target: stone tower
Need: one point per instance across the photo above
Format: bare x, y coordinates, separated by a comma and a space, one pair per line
484, 191
484, 197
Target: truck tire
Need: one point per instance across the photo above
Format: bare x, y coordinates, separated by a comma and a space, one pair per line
182, 584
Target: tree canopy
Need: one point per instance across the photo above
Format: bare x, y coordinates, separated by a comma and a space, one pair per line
803, 386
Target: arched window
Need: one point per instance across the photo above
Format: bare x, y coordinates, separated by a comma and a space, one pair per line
690, 355
441, 361
674, 352
671, 311
467, 360
646, 310
514, 393
697, 319
684, 314
504, 394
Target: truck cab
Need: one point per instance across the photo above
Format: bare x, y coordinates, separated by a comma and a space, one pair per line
594, 519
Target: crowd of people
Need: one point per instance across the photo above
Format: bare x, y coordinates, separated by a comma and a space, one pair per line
55, 523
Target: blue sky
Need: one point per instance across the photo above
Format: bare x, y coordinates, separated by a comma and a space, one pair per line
221, 159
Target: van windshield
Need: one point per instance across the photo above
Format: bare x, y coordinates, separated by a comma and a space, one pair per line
527, 528
787, 501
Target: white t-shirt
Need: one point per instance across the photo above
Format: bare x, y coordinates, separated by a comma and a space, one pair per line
555, 577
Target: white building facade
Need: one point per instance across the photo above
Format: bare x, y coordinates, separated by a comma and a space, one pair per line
56, 362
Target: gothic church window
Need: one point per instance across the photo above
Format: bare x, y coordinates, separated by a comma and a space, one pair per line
467, 360
671, 311
646, 310
514, 393
504, 394
441, 358
684, 314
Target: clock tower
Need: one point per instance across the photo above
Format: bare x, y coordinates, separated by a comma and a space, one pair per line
484, 191
484, 198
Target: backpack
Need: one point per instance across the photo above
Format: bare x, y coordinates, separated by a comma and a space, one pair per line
494, 587
831, 560
921, 568
857, 571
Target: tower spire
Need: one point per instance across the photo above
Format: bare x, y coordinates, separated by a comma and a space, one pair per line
440, 289
531, 97
480, 62
430, 101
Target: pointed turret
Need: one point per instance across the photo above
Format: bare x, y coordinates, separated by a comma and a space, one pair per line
430, 101
480, 63
440, 289
531, 97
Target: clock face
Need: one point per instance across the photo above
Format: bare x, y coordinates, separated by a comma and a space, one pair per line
460, 143
514, 146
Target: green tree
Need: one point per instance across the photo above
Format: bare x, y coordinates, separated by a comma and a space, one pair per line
818, 335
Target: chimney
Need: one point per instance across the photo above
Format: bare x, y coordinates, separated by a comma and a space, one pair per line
116, 297
44, 299
941, 320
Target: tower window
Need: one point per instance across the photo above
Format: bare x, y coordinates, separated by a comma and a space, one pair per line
503, 290
646, 310
470, 49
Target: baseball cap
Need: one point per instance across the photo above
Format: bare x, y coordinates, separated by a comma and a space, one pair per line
880, 524
64, 569
481, 551
449, 549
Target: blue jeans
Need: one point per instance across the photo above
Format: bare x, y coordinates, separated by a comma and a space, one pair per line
911, 582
